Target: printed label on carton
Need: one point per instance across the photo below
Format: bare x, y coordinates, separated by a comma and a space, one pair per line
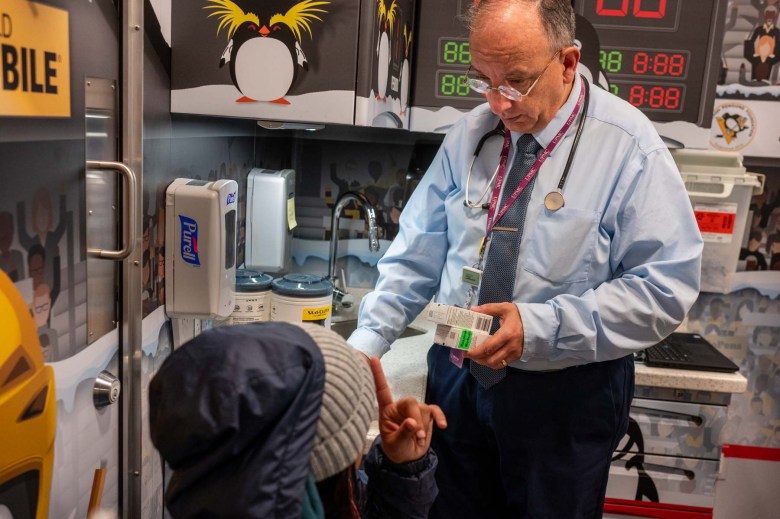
459, 317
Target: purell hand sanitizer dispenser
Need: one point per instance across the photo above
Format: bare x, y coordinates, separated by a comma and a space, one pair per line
200, 250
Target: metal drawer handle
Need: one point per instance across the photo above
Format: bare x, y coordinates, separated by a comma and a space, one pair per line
694, 419
128, 210
663, 469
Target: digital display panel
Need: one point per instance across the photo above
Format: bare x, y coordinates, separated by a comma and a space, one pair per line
454, 51
450, 85
651, 97
644, 62
645, 15
662, 56
442, 56
454, 59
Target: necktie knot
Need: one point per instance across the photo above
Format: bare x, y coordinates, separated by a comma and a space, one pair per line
527, 144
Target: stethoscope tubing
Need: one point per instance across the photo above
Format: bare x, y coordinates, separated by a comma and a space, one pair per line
499, 130
577, 135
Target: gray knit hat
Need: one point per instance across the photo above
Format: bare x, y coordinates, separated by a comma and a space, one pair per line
348, 404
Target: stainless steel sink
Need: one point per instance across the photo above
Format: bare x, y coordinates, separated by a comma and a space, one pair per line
345, 329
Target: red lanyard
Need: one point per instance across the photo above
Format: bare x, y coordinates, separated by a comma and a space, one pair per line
534, 169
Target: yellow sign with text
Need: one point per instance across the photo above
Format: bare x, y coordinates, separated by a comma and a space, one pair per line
34, 60
316, 314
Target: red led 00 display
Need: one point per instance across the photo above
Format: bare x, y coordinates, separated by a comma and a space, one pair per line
637, 14
650, 9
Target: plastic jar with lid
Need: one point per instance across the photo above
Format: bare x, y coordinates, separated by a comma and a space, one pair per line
302, 298
253, 298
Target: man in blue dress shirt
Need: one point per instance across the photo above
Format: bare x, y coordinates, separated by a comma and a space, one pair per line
612, 271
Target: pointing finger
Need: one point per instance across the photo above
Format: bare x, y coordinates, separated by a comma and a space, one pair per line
384, 397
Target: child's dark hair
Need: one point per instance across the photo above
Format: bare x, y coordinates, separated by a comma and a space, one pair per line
338, 495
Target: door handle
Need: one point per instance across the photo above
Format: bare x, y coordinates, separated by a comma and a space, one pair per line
106, 389
128, 210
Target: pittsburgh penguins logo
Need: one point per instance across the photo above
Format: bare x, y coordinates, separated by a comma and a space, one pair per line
734, 126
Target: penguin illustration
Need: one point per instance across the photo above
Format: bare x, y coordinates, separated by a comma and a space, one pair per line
587, 41
386, 20
405, 70
645, 486
264, 56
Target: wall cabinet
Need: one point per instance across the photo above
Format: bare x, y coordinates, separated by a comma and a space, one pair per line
312, 61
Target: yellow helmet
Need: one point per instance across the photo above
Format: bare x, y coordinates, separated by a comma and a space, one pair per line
27, 410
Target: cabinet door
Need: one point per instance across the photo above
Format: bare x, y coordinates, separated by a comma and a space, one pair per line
60, 452
265, 63
663, 479
674, 429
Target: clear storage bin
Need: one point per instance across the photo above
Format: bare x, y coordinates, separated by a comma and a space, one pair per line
720, 190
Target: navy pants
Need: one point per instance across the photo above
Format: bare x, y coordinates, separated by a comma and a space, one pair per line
534, 445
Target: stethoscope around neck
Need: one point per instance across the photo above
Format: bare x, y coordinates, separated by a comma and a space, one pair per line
554, 199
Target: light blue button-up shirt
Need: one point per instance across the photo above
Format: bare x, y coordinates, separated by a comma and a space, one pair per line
613, 271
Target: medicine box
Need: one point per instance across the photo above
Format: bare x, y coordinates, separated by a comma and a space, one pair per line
455, 316
720, 189
460, 338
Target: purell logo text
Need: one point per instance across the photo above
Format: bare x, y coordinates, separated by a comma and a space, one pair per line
189, 240
231, 198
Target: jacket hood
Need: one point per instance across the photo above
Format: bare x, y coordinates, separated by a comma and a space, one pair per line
234, 413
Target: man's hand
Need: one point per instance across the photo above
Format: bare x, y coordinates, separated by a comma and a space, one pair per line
507, 343
405, 426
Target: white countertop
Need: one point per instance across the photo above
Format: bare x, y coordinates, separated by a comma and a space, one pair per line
689, 379
406, 370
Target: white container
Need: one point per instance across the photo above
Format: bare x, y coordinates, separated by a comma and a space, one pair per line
720, 189
302, 298
253, 298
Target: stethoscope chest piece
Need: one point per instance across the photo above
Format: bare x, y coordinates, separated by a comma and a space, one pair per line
554, 200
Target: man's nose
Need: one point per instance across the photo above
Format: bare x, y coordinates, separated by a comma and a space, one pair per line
498, 103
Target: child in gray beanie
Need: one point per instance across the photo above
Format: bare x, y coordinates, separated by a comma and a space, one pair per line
270, 420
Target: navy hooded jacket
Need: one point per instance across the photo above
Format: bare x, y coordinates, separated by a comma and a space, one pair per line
234, 413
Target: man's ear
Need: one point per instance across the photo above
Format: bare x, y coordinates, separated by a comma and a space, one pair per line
570, 57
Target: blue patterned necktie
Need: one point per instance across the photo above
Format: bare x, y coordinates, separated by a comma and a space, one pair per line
498, 276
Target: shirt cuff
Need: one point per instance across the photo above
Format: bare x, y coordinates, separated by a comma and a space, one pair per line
539, 329
369, 342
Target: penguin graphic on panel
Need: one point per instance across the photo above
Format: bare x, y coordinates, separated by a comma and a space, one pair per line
405, 70
386, 20
264, 47
590, 64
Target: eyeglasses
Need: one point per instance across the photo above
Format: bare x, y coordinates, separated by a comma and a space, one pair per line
483, 87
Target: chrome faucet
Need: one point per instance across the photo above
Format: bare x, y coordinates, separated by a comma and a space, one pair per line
369, 214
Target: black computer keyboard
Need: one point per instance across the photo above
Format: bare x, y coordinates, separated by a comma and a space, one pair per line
666, 351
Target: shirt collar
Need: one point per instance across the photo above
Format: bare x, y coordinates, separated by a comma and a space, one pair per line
545, 136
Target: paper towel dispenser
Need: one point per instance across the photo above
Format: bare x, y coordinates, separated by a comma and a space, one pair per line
270, 219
